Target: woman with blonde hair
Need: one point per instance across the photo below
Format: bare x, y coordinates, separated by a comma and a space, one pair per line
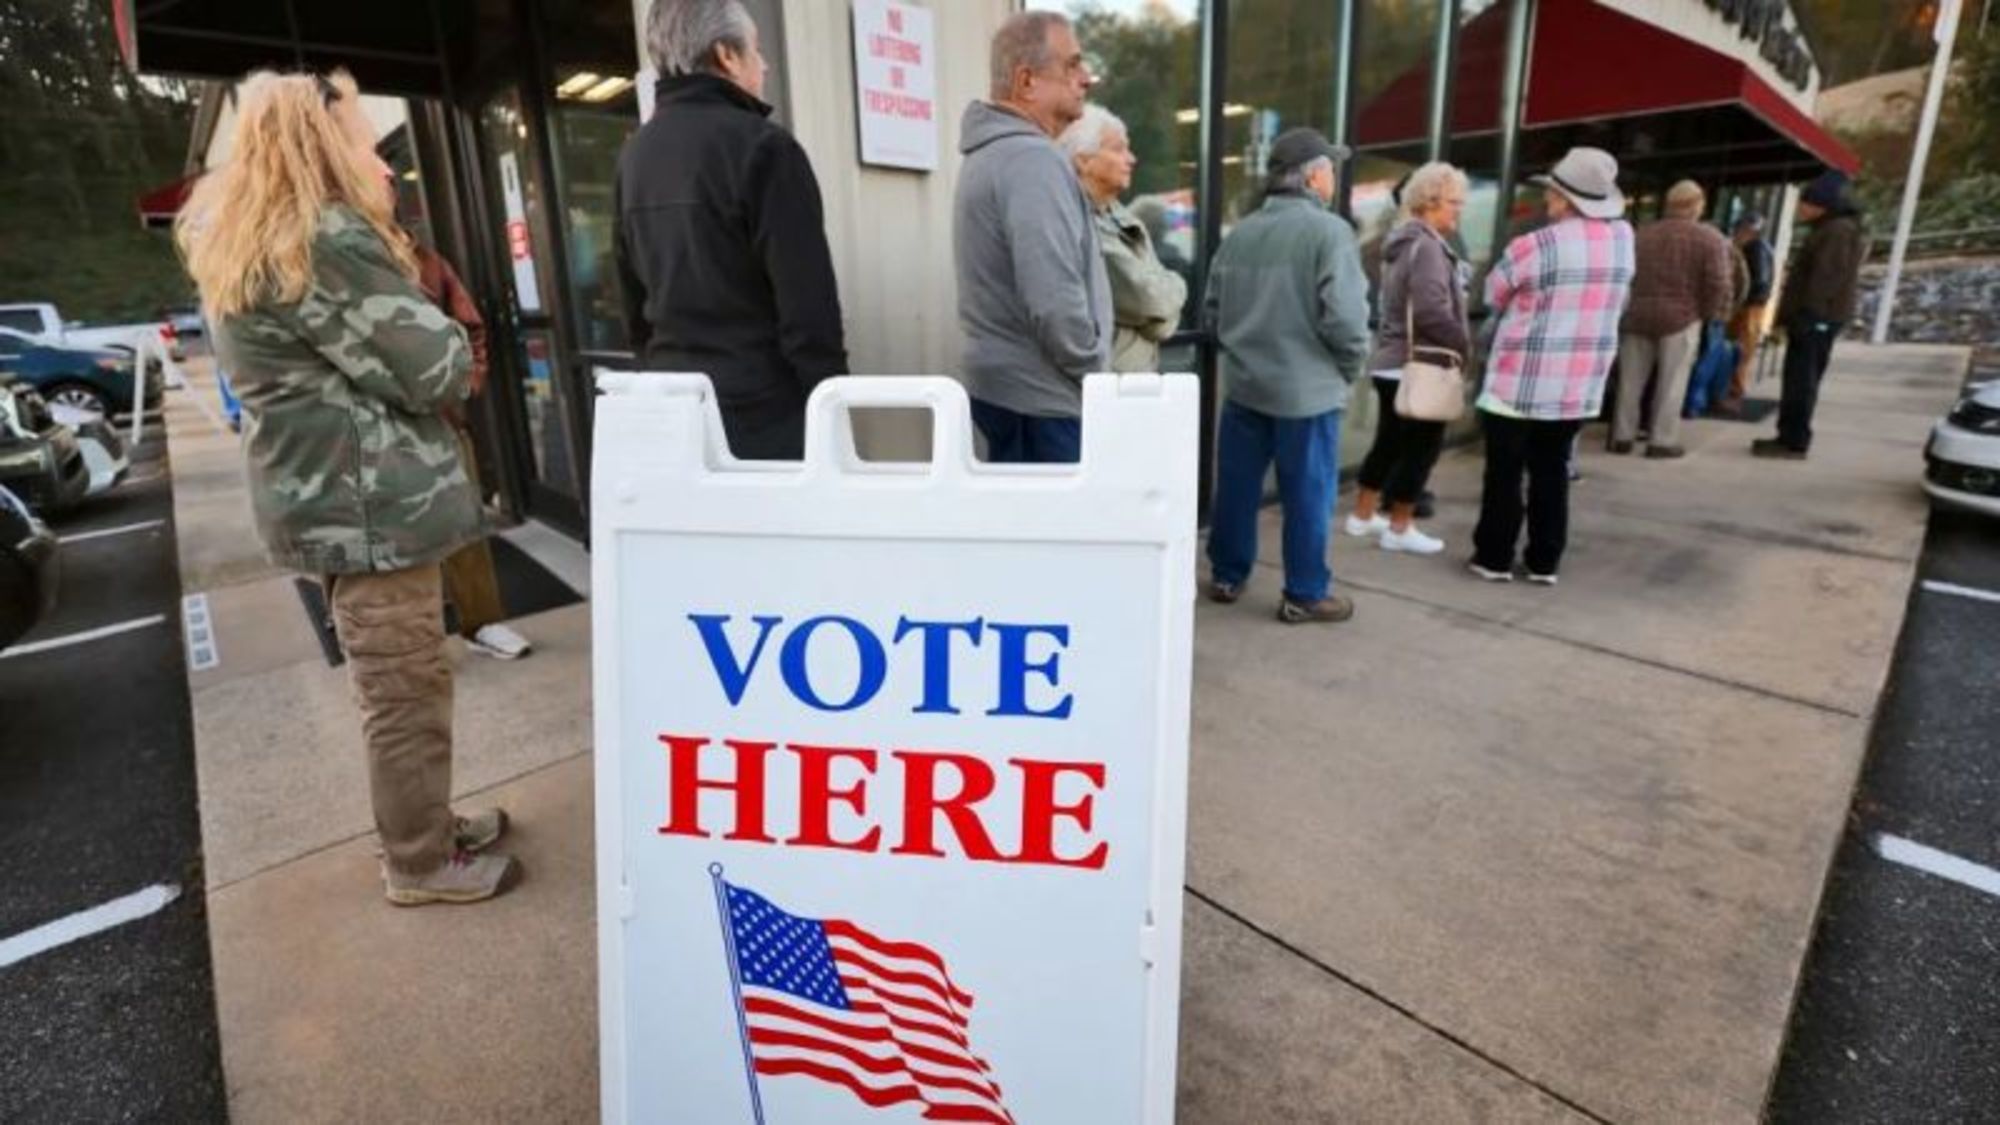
343, 368
1422, 292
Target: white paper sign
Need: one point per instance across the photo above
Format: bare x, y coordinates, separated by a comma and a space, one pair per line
895, 84
520, 247
891, 763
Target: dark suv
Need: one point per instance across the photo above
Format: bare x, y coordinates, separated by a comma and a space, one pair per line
29, 568
39, 459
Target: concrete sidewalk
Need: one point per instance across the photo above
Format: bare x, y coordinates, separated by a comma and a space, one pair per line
1483, 854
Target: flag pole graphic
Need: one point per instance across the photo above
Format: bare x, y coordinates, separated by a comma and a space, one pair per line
736, 989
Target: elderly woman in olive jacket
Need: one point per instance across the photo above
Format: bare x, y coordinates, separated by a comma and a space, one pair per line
1146, 296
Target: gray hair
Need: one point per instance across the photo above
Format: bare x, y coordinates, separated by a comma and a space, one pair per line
1294, 179
682, 35
1085, 136
1428, 185
1023, 41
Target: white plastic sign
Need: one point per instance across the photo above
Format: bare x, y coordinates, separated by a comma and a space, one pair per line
891, 763
895, 84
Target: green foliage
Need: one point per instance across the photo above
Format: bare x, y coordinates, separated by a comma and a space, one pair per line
1970, 129
80, 140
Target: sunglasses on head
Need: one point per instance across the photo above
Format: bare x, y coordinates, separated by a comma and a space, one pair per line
328, 92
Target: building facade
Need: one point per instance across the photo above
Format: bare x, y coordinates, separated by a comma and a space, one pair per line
514, 111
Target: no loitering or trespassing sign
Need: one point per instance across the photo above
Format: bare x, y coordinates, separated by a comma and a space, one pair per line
891, 763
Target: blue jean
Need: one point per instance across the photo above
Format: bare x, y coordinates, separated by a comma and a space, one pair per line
1013, 437
1307, 451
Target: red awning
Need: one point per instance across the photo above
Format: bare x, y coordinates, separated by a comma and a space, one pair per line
1653, 99
158, 207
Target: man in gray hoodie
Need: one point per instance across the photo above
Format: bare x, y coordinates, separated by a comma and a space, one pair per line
1033, 297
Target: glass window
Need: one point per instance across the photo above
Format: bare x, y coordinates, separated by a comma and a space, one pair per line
1393, 48
593, 109
1281, 75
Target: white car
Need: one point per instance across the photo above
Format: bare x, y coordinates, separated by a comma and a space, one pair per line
1962, 461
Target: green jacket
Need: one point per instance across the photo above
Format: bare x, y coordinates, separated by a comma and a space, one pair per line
1288, 306
1146, 297
351, 467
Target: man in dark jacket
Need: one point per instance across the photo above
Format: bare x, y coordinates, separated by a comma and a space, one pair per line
1818, 301
721, 247
1746, 327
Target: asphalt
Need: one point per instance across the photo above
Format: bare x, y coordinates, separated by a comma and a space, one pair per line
98, 801
1897, 1018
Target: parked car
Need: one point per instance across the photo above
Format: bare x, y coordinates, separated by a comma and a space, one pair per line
104, 455
98, 380
1962, 461
40, 321
30, 566
39, 458
186, 321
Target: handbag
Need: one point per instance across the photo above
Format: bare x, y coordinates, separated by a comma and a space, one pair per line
1433, 388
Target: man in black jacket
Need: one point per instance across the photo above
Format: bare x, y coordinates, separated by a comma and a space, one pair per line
1818, 301
722, 254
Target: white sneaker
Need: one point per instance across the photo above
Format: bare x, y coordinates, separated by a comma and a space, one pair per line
1411, 541
500, 642
1366, 529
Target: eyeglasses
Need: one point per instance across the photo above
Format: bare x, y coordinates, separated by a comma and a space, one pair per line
328, 92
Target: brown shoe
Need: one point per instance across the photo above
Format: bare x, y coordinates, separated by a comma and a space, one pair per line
1665, 453
1224, 593
465, 877
1621, 448
1332, 609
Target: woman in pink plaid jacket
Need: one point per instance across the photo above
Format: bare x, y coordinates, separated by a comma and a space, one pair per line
1559, 293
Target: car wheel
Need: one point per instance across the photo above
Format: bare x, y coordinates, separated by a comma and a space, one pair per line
80, 397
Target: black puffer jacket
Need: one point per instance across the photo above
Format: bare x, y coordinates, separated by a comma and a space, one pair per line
723, 261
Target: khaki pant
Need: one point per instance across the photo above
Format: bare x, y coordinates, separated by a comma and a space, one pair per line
391, 625
1747, 329
1674, 356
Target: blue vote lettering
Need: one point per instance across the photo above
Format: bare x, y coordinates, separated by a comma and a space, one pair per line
1017, 657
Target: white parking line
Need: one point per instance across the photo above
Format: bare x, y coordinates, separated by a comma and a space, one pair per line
1961, 591
106, 533
81, 925
80, 638
1909, 853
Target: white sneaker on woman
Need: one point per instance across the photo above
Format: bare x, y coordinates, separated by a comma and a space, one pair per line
1411, 541
1367, 529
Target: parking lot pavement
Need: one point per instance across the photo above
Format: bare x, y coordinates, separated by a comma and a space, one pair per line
97, 811
1897, 1017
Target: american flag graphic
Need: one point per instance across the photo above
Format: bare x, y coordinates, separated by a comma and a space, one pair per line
828, 1000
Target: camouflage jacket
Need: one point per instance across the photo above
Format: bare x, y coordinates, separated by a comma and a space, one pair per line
351, 466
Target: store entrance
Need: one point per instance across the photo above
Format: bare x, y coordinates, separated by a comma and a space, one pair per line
546, 101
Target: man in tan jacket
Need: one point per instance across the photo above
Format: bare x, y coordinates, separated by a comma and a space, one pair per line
1685, 277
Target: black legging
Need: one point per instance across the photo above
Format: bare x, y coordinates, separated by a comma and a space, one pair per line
1400, 461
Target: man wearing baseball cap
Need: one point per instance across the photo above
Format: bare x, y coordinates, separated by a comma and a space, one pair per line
1287, 304
1819, 299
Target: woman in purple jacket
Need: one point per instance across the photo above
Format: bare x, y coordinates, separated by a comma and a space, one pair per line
1422, 289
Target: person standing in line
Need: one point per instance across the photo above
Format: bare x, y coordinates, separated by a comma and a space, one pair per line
345, 369
1747, 326
1684, 280
1819, 299
1146, 296
721, 247
1034, 296
1421, 291
1287, 304
471, 585
1559, 293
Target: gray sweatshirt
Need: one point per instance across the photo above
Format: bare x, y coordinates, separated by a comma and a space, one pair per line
1033, 297
1288, 306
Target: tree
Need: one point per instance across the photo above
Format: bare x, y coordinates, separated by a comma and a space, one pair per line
81, 138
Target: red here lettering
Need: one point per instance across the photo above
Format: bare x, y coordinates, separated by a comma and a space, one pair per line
1039, 811
921, 803
685, 783
817, 795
